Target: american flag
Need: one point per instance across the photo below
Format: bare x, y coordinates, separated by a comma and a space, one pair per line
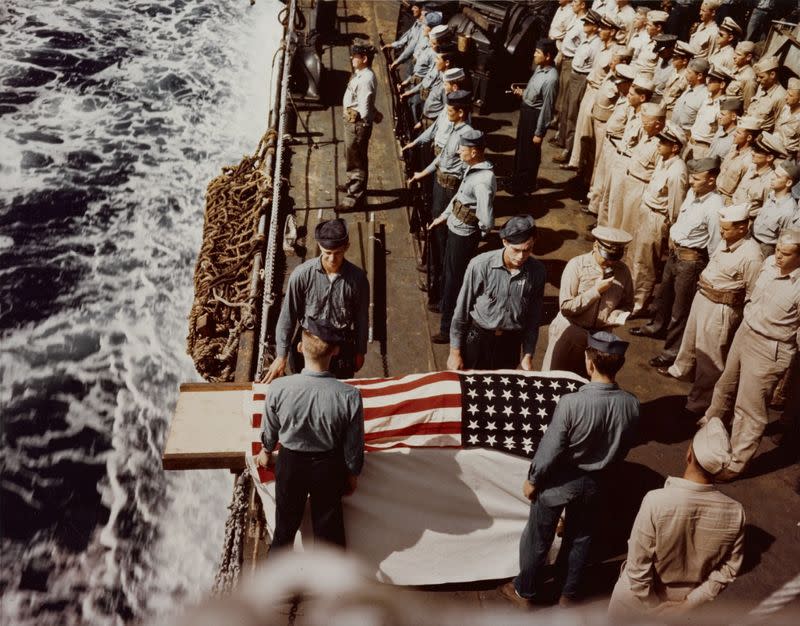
505, 410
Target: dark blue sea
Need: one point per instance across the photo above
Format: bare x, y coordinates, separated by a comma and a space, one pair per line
114, 115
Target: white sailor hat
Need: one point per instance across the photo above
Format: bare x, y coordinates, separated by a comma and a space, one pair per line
711, 446
734, 213
657, 17
789, 237
793, 84
653, 109
454, 74
745, 47
767, 64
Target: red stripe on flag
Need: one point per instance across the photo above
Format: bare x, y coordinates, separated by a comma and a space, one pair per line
418, 405
371, 449
442, 428
265, 474
414, 384
259, 397
256, 448
255, 421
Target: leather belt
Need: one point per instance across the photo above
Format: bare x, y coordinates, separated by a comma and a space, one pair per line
437, 150
446, 180
464, 214
688, 254
639, 178
730, 297
351, 115
424, 93
496, 332
701, 143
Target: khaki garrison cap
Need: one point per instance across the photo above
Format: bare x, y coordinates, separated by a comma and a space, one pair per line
699, 65
793, 84
651, 109
771, 143
767, 64
749, 122
683, 49
791, 169
708, 164
789, 236
643, 83
657, 17
731, 26
673, 133
711, 446
745, 47
734, 213
718, 72
731, 104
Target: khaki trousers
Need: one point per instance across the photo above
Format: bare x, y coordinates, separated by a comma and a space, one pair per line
598, 203
754, 367
583, 125
645, 253
566, 345
704, 348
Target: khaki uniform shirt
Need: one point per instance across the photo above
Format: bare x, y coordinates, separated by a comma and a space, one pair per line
632, 132
773, 309
643, 158
732, 169
697, 223
788, 127
766, 105
580, 301
638, 41
601, 64
647, 59
753, 188
705, 124
704, 38
604, 102
743, 85
615, 126
722, 142
734, 268
774, 216
676, 84
723, 57
688, 104
686, 543
667, 188
562, 21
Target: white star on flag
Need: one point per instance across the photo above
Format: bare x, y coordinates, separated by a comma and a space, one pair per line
537, 383
472, 393
522, 382
527, 428
542, 412
554, 384
491, 426
490, 410
473, 424
489, 394
525, 411
473, 408
506, 394
539, 397
543, 427
572, 386
509, 443
508, 410
509, 426
487, 380
469, 379
491, 440
523, 396
473, 439
556, 398
505, 380
527, 447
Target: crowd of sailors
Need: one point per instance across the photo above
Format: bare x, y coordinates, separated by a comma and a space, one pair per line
686, 144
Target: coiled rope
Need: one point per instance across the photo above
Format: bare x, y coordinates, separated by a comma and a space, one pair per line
223, 304
230, 565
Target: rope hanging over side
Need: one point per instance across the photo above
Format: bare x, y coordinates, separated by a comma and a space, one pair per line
223, 305
231, 560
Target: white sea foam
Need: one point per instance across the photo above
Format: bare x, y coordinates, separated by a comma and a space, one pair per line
188, 95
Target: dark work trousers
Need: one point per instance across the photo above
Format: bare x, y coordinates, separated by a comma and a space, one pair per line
300, 475
673, 300
356, 145
437, 240
484, 350
580, 496
457, 254
564, 72
572, 102
527, 156
343, 365
681, 18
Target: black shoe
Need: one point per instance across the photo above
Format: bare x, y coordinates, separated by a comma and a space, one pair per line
662, 361
440, 338
434, 308
643, 331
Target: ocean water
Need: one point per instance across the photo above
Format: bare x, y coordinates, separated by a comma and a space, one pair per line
113, 118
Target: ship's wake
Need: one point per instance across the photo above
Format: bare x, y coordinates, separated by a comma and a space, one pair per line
114, 117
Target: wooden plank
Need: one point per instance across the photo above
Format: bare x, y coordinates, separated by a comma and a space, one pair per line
208, 430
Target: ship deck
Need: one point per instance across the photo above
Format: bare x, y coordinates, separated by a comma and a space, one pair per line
769, 492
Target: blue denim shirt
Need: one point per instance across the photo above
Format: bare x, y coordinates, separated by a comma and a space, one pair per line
314, 412
476, 192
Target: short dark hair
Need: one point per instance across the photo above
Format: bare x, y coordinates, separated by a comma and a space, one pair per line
316, 348
606, 364
450, 57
